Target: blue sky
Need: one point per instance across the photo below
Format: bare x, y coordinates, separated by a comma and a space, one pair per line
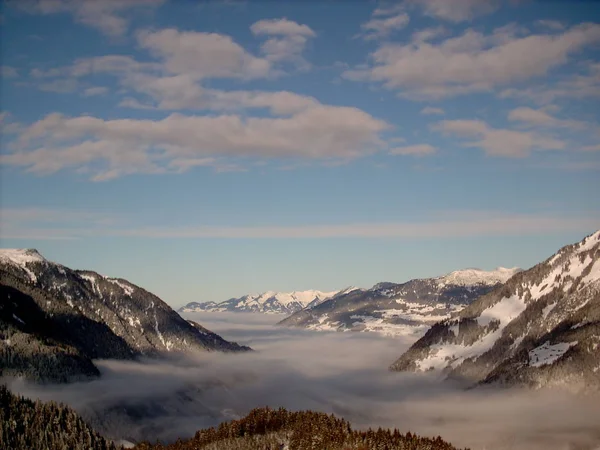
207, 150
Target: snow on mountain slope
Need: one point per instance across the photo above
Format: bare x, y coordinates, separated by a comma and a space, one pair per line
268, 302
399, 309
542, 327
471, 277
98, 316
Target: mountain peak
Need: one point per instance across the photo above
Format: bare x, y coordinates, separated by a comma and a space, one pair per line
468, 277
21, 255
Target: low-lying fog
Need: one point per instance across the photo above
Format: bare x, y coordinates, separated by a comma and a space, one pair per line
343, 373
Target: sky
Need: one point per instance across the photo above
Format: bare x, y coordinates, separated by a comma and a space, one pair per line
206, 150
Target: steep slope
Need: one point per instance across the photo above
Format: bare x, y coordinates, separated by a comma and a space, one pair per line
49, 311
541, 328
268, 302
400, 309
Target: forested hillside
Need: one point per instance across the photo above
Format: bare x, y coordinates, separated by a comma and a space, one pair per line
29, 425
266, 429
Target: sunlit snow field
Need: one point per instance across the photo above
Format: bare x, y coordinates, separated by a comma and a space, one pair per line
342, 373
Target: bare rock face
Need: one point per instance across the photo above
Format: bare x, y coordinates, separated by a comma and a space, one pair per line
541, 328
58, 320
400, 309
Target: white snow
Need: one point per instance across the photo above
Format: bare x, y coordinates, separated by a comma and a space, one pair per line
166, 344
548, 353
70, 303
92, 281
454, 329
504, 311
589, 242
450, 354
379, 325
275, 300
547, 310
470, 277
128, 289
286, 298
21, 257
18, 319
594, 274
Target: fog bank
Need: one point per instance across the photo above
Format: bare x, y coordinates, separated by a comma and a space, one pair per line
341, 373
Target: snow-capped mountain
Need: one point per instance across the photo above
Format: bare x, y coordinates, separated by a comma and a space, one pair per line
400, 309
78, 315
540, 328
268, 302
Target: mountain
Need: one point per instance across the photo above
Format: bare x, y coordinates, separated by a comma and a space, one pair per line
55, 320
540, 328
400, 309
268, 302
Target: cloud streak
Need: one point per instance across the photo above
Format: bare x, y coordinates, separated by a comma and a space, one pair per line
34, 224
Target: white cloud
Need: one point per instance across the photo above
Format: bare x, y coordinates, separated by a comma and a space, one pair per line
381, 28
427, 34
8, 72
104, 15
202, 55
289, 41
61, 86
498, 142
430, 110
456, 10
551, 24
97, 90
414, 150
539, 117
282, 27
388, 10
574, 86
472, 61
591, 148
112, 148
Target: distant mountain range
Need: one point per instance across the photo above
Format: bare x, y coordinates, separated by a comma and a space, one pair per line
55, 320
400, 309
540, 328
268, 302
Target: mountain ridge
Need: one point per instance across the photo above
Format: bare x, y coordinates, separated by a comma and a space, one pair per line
50, 311
269, 302
400, 308
541, 328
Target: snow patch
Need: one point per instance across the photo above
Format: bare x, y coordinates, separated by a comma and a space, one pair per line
18, 319
548, 353
444, 355
547, 310
504, 311
128, 289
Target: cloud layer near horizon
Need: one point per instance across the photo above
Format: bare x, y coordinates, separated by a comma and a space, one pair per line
47, 224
